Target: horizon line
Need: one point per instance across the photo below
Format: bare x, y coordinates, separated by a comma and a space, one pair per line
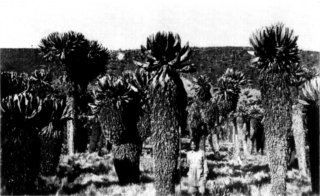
121, 49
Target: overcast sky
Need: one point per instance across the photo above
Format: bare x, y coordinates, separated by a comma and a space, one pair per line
126, 24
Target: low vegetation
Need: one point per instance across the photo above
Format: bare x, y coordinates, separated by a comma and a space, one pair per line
91, 174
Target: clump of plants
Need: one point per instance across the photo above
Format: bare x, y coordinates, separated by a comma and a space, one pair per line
202, 113
23, 117
81, 61
56, 112
30, 121
20, 144
119, 106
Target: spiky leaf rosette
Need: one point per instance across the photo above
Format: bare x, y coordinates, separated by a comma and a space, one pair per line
13, 83
276, 59
39, 83
164, 58
203, 88
20, 110
115, 106
249, 104
165, 49
54, 114
140, 79
276, 54
226, 94
82, 59
310, 92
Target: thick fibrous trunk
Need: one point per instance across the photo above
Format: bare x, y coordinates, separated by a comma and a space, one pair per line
277, 124
121, 128
126, 162
165, 148
165, 122
71, 126
50, 154
277, 158
299, 138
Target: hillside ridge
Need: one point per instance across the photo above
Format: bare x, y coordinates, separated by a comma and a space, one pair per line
212, 61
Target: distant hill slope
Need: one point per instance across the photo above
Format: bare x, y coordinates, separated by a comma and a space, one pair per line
20, 59
212, 61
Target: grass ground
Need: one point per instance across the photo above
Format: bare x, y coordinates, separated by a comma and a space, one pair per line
91, 174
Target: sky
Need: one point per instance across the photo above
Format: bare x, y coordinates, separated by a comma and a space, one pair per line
125, 24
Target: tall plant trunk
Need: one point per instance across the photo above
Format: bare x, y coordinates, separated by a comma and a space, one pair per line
168, 105
249, 141
230, 131
236, 146
215, 142
165, 126
244, 139
95, 136
313, 138
277, 124
71, 126
202, 143
214, 135
277, 162
299, 137
253, 135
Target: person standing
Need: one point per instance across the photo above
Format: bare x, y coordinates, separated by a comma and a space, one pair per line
198, 169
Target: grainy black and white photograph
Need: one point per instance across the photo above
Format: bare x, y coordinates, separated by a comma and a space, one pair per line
157, 98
